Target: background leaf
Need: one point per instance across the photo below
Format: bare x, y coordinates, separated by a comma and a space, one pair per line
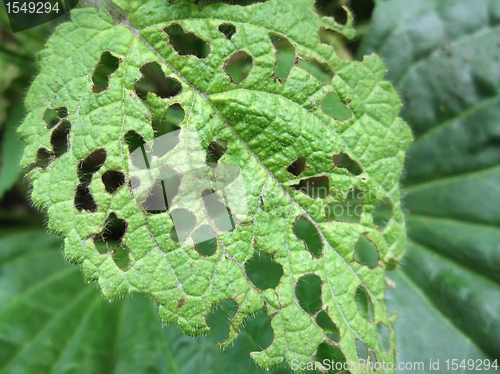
83, 117
443, 58
52, 322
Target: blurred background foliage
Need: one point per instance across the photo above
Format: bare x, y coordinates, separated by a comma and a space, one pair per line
447, 289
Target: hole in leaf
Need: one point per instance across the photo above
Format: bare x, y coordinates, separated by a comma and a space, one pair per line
325, 322
383, 213
285, 56
327, 351
383, 337
204, 240
366, 252
308, 291
164, 144
42, 158
102, 247
218, 211
204, 3
349, 210
263, 271
135, 141
340, 15
134, 183
318, 70
106, 66
114, 230
316, 187
53, 116
333, 107
362, 350
153, 80
373, 358
297, 167
238, 66
184, 223
113, 180
364, 303
163, 192
306, 231
186, 43
121, 256
84, 199
215, 151
258, 331
60, 138
228, 30
343, 161
174, 116
91, 164
219, 319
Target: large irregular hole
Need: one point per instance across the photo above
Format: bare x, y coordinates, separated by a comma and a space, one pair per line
60, 138
258, 331
184, 223
109, 240
383, 213
263, 271
364, 303
228, 30
164, 144
238, 66
114, 229
135, 141
297, 167
318, 70
285, 56
308, 291
186, 43
153, 80
91, 164
204, 241
42, 158
174, 116
121, 256
343, 161
333, 107
316, 187
113, 180
215, 151
106, 66
53, 116
204, 3
306, 231
216, 210
383, 337
164, 190
361, 350
366, 252
349, 210
325, 322
219, 319
340, 15
373, 358
84, 200
327, 352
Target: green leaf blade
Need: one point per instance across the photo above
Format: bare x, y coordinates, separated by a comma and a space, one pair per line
266, 125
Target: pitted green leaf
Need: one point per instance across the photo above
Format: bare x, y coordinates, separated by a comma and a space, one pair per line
229, 161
